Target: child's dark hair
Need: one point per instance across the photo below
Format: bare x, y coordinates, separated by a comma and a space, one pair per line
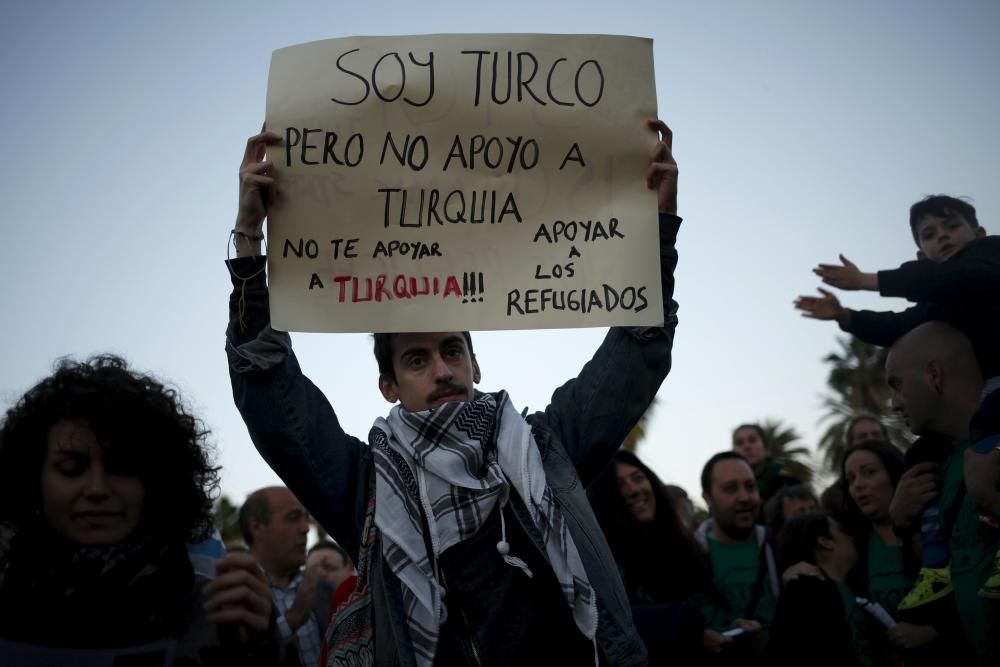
941, 206
798, 537
383, 352
134, 416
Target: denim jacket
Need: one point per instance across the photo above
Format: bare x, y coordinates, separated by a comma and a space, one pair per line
297, 432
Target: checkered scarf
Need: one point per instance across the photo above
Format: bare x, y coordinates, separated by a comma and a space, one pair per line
453, 466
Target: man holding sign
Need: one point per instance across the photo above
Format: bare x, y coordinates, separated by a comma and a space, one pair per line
469, 524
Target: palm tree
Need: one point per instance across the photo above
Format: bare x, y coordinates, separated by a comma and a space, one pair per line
858, 384
794, 460
638, 431
227, 520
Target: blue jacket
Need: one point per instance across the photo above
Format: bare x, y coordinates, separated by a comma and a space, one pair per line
297, 432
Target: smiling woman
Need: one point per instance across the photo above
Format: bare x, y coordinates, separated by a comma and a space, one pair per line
661, 565
104, 478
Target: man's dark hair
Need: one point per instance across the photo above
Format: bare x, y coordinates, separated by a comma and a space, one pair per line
706, 472
383, 352
137, 420
755, 427
332, 546
941, 206
256, 507
860, 417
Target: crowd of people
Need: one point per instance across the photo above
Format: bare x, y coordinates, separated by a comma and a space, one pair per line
465, 532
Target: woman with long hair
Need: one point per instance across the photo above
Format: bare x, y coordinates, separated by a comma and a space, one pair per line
104, 479
663, 568
887, 566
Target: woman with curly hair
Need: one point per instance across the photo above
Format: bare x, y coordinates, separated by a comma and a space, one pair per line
105, 478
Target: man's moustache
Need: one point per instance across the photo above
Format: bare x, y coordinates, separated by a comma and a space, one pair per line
445, 390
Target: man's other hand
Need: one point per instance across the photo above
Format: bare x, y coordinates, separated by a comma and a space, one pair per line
257, 190
917, 487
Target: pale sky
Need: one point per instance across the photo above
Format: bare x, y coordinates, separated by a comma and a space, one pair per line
802, 130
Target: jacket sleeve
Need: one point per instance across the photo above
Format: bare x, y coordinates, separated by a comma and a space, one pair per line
975, 270
592, 414
290, 421
883, 328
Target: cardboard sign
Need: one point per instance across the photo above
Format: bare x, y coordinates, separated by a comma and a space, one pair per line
463, 182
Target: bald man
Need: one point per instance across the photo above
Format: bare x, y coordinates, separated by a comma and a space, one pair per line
936, 385
275, 527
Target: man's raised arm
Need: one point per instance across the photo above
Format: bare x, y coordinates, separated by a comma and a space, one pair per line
593, 413
289, 419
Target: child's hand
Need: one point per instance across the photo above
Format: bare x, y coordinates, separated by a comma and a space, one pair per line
825, 307
846, 277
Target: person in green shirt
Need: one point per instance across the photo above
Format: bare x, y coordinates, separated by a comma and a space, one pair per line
743, 565
936, 384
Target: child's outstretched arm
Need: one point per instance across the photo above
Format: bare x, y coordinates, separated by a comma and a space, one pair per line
847, 276
826, 307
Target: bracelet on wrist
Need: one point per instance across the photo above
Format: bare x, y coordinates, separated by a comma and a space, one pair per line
248, 237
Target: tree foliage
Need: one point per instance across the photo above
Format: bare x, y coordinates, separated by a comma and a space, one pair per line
227, 520
795, 458
857, 384
638, 432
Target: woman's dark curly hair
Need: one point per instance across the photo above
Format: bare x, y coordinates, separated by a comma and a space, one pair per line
136, 417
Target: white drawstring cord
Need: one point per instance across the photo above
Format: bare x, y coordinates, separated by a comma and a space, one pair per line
503, 548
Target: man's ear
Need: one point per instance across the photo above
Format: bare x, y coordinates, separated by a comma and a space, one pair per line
255, 527
980, 232
476, 375
708, 501
388, 387
920, 255
825, 543
935, 373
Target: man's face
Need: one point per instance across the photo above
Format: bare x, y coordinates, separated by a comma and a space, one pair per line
431, 369
734, 501
941, 237
913, 391
865, 430
281, 542
332, 565
748, 444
